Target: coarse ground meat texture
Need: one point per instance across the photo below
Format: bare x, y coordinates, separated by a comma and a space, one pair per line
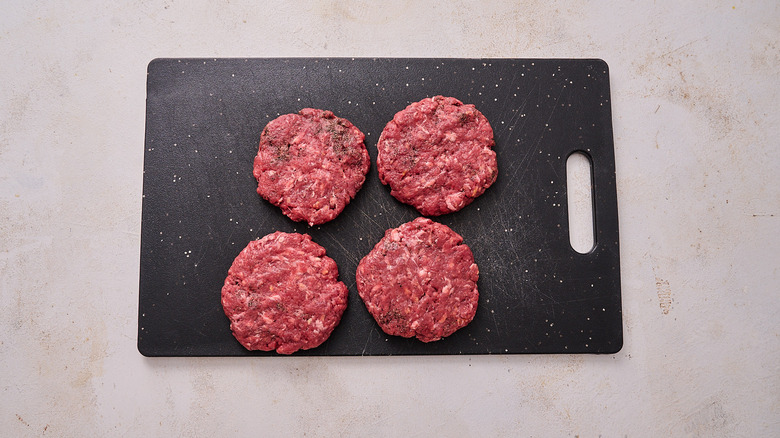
282, 293
310, 164
420, 280
437, 155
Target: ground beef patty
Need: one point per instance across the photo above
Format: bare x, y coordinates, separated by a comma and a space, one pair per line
437, 155
420, 280
282, 293
310, 164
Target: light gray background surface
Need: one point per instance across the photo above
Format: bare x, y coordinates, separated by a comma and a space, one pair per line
695, 94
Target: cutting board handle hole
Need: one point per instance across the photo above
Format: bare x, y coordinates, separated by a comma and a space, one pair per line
579, 196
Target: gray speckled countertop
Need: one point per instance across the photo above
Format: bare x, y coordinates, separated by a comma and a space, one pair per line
694, 101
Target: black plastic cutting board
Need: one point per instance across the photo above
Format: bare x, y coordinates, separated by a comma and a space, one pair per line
200, 208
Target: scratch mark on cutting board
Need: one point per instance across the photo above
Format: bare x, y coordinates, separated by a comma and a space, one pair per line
229, 237
514, 124
591, 298
495, 324
369, 218
526, 157
511, 82
368, 339
354, 258
525, 161
549, 117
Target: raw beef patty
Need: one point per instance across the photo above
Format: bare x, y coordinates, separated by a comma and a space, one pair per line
437, 155
310, 164
282, 293
420, 280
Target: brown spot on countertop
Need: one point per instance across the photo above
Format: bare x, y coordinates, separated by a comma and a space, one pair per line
709, 418
19, 417
664, 292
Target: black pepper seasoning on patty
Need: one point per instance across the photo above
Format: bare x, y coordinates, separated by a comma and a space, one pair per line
282, 293
437, 155
420, 280
310, 164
